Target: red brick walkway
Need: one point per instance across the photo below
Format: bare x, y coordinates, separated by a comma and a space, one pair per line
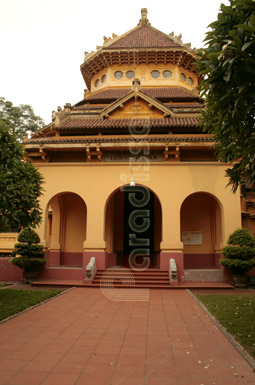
83, 338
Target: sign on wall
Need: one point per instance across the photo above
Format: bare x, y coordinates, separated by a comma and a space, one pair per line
192, 237
127, 156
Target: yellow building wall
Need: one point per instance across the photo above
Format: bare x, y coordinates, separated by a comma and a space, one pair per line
143, 73
138, 108
171, 182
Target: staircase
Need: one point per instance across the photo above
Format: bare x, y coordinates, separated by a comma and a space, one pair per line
127, 278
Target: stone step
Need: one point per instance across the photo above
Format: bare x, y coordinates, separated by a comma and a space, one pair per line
147, 285
137, 281
132, 273
204, 275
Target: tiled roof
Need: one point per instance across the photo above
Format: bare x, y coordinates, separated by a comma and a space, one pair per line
123, 138
109, 94
143, 37
184, 105
88, 107
126, 123
165, 92
170, 92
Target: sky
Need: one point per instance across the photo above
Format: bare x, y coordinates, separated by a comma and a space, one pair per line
43, 41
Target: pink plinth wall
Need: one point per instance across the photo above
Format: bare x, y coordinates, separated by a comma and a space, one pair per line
57, 258
71, 259
199, 261
164, 262
111, 259
216, 258
62, 273
9, 272
54, 257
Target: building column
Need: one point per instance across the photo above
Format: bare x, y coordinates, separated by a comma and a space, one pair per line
171, 246
55, 246
94, 245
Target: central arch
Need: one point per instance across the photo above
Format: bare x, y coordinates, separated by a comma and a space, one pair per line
121, 237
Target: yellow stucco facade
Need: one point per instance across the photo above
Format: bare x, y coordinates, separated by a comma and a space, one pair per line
137, 124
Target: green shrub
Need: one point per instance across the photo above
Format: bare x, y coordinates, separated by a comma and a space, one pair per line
241, 237
237, 252
237, 266
29, 264
240, 252
28, 255
30, 251
29, 236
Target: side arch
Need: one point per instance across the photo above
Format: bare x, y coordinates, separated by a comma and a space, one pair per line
65, 228
201, 230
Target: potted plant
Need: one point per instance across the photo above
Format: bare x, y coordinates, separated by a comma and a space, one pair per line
28, 254
239, 256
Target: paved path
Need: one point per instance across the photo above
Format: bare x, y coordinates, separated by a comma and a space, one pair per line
83, 338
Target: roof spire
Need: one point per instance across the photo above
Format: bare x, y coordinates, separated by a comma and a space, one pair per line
144, 19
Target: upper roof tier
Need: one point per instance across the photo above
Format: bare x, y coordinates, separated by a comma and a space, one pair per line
143, 44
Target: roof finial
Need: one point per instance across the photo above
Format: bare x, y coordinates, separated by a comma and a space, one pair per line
144, 19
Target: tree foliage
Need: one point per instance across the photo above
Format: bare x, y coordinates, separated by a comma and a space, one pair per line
20, 119
20, 185
227, 65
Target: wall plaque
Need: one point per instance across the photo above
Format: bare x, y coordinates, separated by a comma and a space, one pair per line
126, 156
192, 237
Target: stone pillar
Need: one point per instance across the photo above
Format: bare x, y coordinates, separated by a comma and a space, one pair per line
171, 246
55, 246
94, 246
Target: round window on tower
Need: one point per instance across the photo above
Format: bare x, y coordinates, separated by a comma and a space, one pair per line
103, 78
97, 83
190, 81
167, 74
130, 74
118, 75
183, 77
155, 74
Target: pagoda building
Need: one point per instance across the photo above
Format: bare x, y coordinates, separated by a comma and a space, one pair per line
135, 128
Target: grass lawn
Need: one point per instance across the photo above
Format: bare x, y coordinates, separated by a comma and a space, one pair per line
237, 314
13, 301
3, 284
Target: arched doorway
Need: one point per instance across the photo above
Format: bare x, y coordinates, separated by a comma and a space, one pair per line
66, 228
133, 226
201, 230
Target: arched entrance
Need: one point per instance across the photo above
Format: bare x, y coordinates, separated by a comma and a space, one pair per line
66, 228
201, 230
133, 226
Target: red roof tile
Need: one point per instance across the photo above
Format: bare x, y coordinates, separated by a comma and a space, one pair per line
109, 94
170, 92
126, 123
123, 139
159, 93
143, 37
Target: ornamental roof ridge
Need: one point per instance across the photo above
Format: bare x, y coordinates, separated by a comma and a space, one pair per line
142, 36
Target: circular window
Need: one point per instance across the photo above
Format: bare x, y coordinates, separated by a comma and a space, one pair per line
118, 74
97, 83
167, 74
190, 81
183, 77
103, 78
130, 74
155, 74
